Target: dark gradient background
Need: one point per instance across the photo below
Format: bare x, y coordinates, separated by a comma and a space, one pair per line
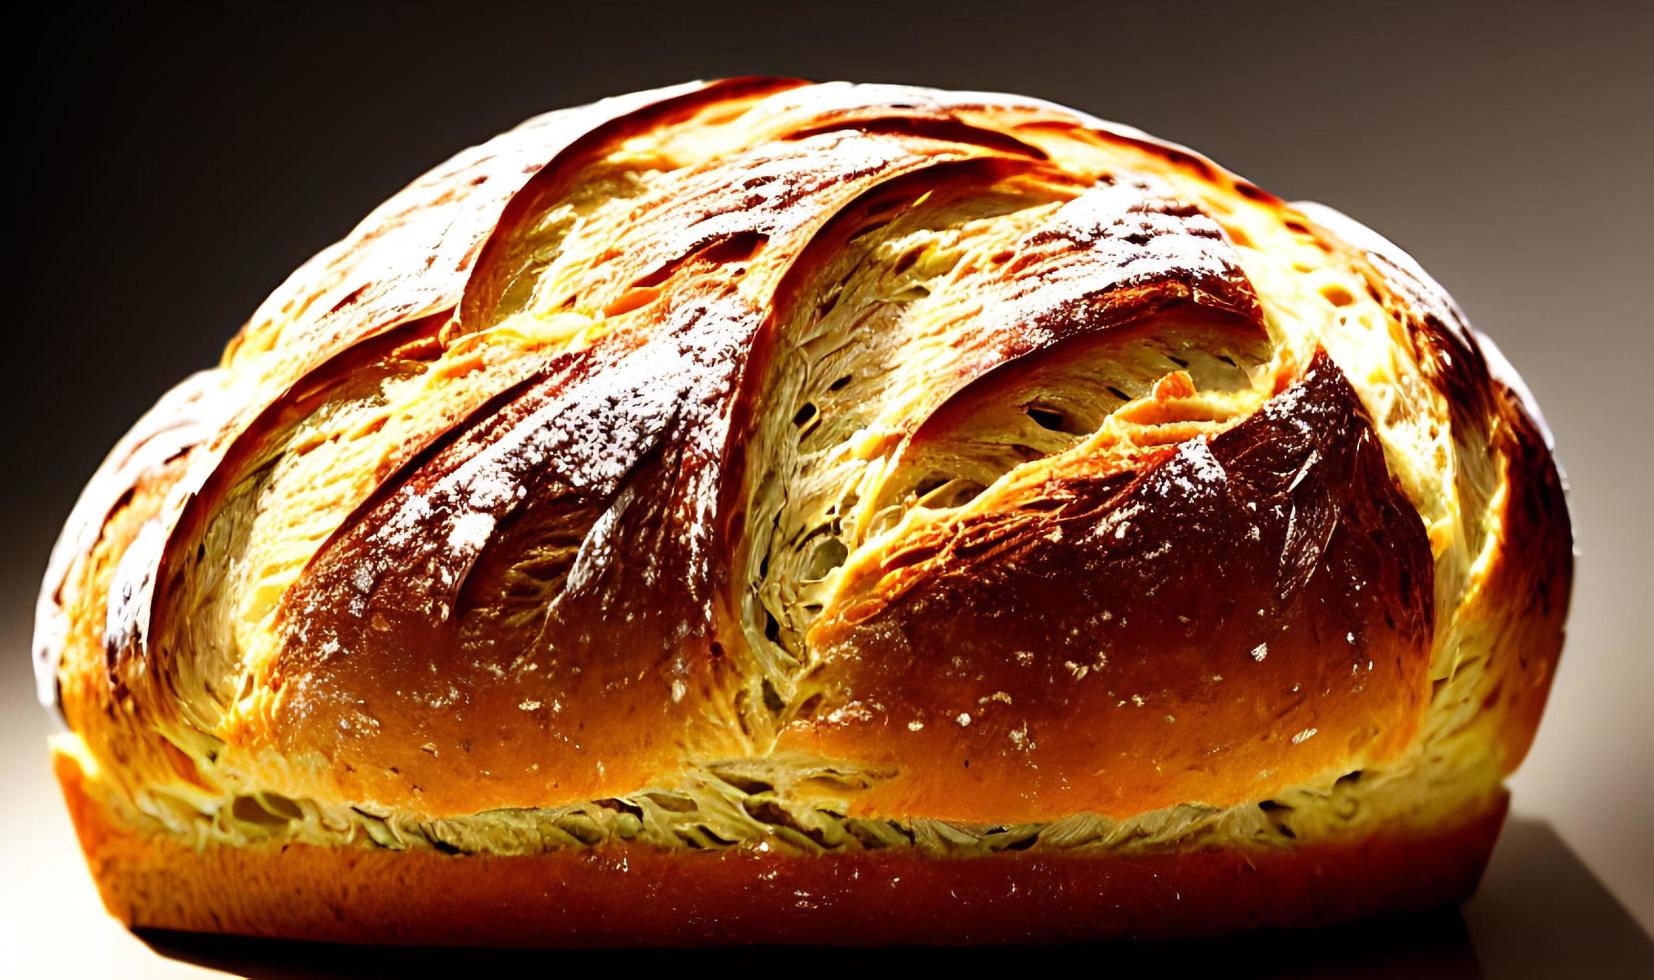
176, 166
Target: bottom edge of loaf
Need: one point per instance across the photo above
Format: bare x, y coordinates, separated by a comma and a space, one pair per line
635, 895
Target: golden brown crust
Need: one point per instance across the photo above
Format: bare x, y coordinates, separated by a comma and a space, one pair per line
913, 456
1531, 579
1250, 611
637, 895
1517, 593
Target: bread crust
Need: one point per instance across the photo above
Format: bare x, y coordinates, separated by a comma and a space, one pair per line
1161, 723
755, 458
632, 895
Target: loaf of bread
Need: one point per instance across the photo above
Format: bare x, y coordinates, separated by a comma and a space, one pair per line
756, 511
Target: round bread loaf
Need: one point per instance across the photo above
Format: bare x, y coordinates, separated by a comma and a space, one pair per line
762, 511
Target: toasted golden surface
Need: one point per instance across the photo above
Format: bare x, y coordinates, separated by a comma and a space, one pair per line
839, 466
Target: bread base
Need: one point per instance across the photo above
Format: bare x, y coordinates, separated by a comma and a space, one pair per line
639, 895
